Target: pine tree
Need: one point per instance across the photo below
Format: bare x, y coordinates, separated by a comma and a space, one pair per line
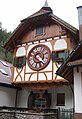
4, 54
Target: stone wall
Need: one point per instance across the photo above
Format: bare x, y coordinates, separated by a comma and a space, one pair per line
23, 115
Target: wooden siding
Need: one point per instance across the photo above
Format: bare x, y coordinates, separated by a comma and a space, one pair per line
50, 31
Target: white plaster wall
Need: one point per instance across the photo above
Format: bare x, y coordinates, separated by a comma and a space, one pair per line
78, 90
7, 96
24, 50
68, 97
23, 98
54, 98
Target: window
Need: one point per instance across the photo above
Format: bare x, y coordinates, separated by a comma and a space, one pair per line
19, 62
59, 55
60, 44
60, 99
39, 30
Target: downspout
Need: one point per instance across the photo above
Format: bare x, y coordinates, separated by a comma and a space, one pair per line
16, 102
73, 97
16, 97
17, 90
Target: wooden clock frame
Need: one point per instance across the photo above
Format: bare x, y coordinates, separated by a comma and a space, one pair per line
39, 57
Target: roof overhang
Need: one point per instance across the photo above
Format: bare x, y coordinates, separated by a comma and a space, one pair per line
42, 85
23, 28
75, 63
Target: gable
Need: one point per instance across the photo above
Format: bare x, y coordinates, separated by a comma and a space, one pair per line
44, 17
49, 31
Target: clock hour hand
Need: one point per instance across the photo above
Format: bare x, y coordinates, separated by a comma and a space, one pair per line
40, 59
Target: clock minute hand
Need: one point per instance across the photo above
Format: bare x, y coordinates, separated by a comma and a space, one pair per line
39, 58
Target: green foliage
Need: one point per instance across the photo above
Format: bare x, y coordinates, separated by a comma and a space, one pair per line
4, 54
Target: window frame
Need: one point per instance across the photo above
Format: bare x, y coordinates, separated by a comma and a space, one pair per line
39, 34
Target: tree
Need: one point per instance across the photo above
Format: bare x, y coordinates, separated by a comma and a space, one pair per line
4, 54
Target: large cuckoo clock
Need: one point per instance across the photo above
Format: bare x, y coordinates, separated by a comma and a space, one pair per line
41, 44
38, 61
39, 57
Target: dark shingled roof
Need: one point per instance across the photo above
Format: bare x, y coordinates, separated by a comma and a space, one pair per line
5, 72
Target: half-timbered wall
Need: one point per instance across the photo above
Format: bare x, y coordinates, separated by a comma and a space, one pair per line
47, 74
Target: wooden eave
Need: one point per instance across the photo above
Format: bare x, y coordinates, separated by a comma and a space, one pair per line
64, 24
42, 85
41, 12
23, 28
66, 71
72, 30
75, 63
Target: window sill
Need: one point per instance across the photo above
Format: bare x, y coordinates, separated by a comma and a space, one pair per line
60, 105
39, 34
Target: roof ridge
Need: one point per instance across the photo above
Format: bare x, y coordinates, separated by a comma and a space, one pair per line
43, 10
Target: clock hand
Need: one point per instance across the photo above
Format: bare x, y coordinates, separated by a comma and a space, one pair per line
39, 58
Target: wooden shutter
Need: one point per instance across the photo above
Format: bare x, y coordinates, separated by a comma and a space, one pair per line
19, 61
54, 56
66, 53
14, 62
59, 55
24, 60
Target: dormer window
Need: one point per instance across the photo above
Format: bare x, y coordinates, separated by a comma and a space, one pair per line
39, 31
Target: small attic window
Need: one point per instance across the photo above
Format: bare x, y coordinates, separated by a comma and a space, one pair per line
39, 31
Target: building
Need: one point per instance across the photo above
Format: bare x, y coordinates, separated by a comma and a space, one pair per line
7, 90
41, 43
72, 68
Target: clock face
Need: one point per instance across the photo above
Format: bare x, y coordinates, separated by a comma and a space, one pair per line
39, 57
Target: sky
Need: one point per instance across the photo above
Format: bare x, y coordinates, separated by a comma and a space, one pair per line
13, 11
